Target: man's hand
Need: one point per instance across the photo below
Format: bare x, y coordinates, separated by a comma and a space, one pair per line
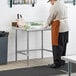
46, 26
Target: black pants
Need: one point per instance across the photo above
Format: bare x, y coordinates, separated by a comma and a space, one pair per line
60, 50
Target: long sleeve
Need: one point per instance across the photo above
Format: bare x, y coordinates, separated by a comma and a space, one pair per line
51, 16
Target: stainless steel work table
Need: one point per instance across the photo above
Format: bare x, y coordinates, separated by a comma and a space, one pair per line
26, 52
71, 59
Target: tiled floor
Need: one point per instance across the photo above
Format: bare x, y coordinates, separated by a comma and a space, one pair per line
33, 62
23, 64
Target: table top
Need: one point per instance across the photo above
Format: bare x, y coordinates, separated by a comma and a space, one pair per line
33, 29
71, 58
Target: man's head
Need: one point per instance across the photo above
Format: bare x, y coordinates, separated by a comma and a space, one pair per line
52, 1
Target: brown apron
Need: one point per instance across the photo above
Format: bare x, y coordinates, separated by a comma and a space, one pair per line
55, 32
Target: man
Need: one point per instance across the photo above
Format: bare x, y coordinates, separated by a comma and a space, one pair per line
58, 19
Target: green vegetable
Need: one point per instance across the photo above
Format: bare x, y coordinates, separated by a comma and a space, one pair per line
26, 27
35, 24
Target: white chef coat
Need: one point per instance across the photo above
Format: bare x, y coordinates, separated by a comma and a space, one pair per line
58, 11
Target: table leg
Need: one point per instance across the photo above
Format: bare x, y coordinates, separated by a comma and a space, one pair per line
69, 68
16, 46
27, 47
42, 44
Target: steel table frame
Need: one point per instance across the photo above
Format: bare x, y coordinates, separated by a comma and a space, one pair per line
69, 68
28, 49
